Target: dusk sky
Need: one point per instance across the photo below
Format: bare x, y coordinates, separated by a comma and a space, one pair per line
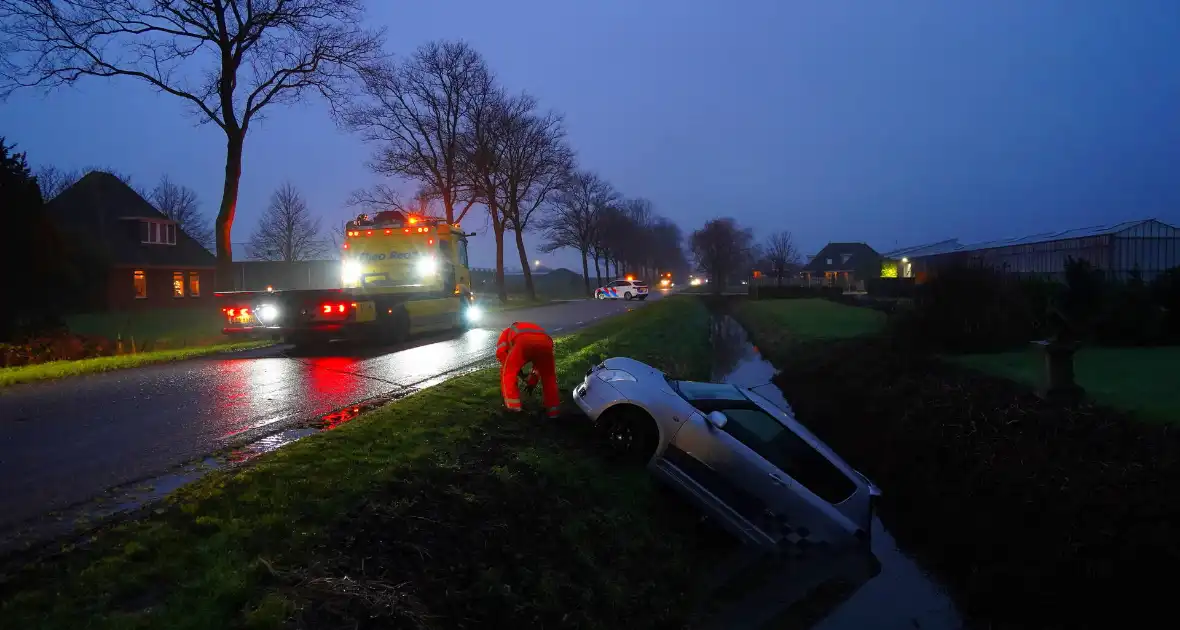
890, 122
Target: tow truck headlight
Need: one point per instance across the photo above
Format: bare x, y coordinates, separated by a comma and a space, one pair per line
268, 313
350, 272
427, 266
474, 314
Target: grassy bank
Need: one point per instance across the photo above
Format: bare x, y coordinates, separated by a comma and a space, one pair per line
1142, 380
782, 322
439, 510
1035, 515
61, 369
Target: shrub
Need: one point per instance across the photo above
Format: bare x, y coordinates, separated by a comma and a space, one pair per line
1165, 293
971, 309
60, 347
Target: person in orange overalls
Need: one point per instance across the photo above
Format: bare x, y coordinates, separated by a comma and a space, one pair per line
527, 343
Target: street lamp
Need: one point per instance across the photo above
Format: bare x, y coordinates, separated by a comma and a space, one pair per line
536, 263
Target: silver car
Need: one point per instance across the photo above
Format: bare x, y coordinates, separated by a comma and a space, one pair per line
742, 460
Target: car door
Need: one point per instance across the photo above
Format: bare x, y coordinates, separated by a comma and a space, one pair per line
797, 484
711, 458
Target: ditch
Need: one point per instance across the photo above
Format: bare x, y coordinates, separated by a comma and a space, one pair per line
882, 588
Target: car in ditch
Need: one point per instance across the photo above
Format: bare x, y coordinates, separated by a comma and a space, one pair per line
742, 460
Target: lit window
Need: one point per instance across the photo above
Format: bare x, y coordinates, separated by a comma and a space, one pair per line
177, 284
829, 261
194, 284
157, 232
140, 285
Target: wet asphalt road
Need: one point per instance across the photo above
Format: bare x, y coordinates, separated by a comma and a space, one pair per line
65, 442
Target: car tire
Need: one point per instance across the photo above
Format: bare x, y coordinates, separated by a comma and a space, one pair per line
642, 297
631, 434
627, 295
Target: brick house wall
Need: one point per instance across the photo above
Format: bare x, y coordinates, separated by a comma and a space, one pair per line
121, 288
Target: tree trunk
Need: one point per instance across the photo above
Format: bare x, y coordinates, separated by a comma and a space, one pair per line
780, 279
524, 264
586, 272
597, 270
235, 140
502, 290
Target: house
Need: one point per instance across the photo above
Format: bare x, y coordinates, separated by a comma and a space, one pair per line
142, 259
1146, 247
845, 265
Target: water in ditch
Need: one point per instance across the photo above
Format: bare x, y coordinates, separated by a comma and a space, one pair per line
881, 588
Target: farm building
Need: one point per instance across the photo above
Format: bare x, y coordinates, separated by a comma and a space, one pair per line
1150, 246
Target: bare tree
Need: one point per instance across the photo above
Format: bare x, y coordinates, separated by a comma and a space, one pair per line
721, 248
227, 59
417, 113
536, 161
180, 204
287, 231
782, 255
574, 222
482, 159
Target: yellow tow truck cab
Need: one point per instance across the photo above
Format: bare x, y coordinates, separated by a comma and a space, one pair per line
400, 275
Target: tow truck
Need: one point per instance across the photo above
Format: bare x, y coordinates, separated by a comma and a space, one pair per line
401, 274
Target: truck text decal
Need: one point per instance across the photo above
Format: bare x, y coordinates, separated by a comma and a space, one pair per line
391, 256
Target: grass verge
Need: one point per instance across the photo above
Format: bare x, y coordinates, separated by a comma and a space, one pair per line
61, 369
1034, 514
439, 510
1142, 380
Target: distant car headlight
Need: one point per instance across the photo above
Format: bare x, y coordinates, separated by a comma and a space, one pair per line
611, 376
350, 272
474, 314
427, 266
268, 313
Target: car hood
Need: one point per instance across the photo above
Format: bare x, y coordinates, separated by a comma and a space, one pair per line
640, 370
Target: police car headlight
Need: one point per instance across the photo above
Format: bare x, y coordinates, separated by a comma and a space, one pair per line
268, 313
427, 266
611, 376
350, 272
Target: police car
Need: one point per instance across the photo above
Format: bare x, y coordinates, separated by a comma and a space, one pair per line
622, 289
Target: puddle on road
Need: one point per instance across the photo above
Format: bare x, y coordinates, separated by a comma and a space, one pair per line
128, 498
884, 589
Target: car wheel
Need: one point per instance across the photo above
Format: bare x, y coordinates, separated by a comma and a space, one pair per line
631, 435
627, 295
642, 298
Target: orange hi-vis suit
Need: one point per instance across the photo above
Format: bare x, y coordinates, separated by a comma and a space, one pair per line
521, 343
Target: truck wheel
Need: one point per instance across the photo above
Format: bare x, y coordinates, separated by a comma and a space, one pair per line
305, 342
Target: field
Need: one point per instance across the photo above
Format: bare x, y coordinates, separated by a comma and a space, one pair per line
439, 510
800, 320
1142, 380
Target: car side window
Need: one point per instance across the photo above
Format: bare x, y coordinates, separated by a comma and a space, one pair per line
789, 453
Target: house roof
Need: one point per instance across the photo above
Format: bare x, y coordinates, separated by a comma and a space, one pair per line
844, 257
953, 245
99, 208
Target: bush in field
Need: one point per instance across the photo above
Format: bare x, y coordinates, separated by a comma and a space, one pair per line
1129, 316
1165, 292
973, 309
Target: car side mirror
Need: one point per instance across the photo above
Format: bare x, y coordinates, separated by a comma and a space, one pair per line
717, 419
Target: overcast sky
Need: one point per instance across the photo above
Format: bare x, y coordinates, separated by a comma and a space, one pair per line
890, 122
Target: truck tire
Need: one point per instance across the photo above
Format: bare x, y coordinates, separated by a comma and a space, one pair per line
307, 342
395, 326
